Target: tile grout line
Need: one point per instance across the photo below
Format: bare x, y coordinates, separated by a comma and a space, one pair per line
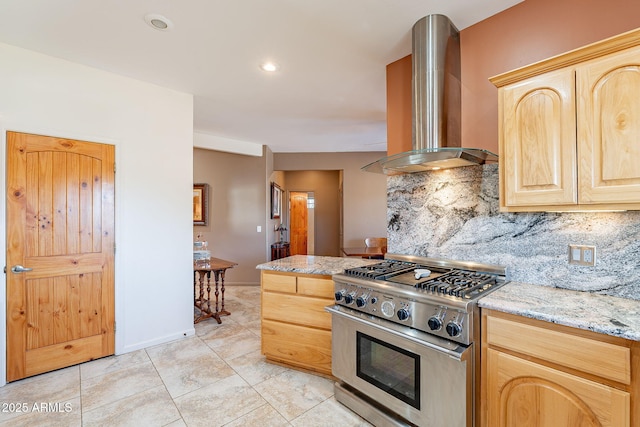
166, 389
266, 402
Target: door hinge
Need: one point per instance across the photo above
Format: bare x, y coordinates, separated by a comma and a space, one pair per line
114, 326
114, 167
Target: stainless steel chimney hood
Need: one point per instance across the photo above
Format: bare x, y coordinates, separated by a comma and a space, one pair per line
436, 139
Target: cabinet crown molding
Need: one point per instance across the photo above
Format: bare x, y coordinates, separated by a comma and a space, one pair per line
581, 54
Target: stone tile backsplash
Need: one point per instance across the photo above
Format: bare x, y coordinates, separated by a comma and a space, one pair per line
454, 214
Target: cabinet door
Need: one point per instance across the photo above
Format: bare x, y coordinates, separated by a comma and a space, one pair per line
609, 128
538, 141
525, 394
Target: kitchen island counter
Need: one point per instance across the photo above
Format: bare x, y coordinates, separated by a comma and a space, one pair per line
311, 264
619, 317
296, 328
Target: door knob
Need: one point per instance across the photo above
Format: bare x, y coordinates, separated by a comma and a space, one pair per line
20, 269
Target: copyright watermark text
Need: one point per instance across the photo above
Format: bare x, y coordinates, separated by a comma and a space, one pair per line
24, 407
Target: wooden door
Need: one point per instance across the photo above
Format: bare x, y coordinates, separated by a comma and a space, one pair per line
298, 223
524, 394
60, 216
609, 128
538, 141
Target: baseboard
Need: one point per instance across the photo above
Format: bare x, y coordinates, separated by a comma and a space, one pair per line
227, 284
157, 341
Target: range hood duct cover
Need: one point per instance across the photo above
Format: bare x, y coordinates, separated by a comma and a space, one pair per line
436, 109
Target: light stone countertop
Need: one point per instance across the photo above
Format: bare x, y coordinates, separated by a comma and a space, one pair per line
311, 264
605, 314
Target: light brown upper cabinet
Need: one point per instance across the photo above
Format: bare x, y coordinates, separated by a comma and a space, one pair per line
569, 130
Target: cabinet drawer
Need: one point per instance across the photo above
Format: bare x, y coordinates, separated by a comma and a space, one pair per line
297, 345
278, 283
317, 287
306, 311
594, 357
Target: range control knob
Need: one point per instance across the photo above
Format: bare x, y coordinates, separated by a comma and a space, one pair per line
434, 323
374, 300
454, 329
403, 314
348, 299
339, 295
361, 301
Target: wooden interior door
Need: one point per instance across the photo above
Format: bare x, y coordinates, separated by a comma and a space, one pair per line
298, 223
60, 216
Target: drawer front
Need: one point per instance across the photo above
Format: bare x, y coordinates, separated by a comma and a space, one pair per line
278, 283
316, 287
306, 311
594, 357
297, 345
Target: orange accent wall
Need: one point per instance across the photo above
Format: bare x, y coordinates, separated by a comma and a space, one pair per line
526, 33
399, 131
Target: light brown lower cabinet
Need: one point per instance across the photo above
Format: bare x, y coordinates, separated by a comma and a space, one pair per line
539, 374
296, 330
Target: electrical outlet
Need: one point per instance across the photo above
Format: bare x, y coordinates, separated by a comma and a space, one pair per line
588, 255
582, 255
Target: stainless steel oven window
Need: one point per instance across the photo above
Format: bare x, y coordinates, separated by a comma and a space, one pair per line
392, 369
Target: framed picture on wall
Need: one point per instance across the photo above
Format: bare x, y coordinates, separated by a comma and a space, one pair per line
276, 200
200, 204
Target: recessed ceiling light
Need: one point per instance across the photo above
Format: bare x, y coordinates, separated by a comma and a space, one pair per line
158, 22
269, 66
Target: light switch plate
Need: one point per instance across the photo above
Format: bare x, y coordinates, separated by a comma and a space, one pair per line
582, 255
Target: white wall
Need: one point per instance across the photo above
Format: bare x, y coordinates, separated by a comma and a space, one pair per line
236, 201
152, 129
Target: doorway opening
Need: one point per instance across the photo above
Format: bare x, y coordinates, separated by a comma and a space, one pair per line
312, 217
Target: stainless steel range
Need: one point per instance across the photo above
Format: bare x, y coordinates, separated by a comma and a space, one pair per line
404, 334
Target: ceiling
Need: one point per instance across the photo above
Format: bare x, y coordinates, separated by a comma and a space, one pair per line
328, 95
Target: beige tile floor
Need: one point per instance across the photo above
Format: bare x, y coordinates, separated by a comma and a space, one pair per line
216, 378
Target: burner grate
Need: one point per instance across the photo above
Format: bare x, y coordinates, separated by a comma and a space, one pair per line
459, 283
380, 270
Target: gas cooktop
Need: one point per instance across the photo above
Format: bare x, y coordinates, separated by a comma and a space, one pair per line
431, 295
436, 279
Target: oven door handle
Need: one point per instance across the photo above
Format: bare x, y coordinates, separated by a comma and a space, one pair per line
453, 350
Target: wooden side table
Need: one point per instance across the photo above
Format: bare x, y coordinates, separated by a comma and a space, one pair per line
203, 270
366, 252
280, 250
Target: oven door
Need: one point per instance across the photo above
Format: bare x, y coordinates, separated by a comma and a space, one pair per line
425, 379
